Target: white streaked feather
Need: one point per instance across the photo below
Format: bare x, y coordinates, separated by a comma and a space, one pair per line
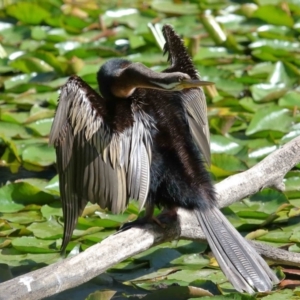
145, 177
113, 150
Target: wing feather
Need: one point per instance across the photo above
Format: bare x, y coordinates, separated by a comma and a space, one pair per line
195, 104
145, 175
94, 162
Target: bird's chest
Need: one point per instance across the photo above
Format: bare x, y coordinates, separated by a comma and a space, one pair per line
119, 115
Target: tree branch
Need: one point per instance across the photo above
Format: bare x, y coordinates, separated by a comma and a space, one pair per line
95, 260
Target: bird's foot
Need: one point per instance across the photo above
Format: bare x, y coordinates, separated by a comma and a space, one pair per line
166, 217
140, 222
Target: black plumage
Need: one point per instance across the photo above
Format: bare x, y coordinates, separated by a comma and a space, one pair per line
147, 139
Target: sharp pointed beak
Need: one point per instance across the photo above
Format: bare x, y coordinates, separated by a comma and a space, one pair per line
192, 83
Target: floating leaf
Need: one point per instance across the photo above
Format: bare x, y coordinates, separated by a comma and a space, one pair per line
106, 223
34, 245
190, 275
221, 144
280, 295
13, 130
267, 92
270, 118
280, 75
224, 165
101, 295
188, 247
24, 217
40, 155
41, 127
295, 237
14, 196
210, 52
30, 13
14, 117
48, 230
53, 186
177, 293
54, 209
136, 41
16, 258
290, 99
30, 65
273, 15
194, 260
175, 8
267, 201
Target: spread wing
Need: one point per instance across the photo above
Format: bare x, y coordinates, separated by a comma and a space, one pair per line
94, 162
193, 99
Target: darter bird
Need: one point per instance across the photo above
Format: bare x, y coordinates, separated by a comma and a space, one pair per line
147, 138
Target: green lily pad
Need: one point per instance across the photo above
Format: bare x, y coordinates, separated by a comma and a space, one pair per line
270, 118
229, 296
191, 275
177, 293
40, 155
101, 295
281, 75
97, 236
190, 247
53, 209
14, 117
171, 7
295, 237
53, 186
24, 217
224, 164
267, 201
30, 65
13, 130
41, 127
16, 258
273, 14
266, 92
161, 257
280, 295
14, 196
30, 13
49, 230
293, 133
194, 260
34, 245
106, 223
290, 99
221, 144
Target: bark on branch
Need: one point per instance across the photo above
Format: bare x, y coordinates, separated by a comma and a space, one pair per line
76, 270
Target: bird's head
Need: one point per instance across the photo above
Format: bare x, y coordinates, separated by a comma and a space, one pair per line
118, 78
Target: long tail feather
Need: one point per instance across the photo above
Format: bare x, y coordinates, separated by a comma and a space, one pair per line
242, 265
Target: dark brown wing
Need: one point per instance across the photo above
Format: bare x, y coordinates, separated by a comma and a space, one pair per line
193, 99
94, 163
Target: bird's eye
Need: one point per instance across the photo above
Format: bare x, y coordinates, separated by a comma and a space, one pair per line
183, 77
